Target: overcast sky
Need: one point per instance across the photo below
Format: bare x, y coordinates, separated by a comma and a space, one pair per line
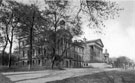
119, 36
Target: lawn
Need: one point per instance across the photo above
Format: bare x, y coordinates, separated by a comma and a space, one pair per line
4, 79
21, 68
103, 77
25, 68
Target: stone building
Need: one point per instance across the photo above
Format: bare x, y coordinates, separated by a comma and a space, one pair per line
73, 57
78, 55
93, 51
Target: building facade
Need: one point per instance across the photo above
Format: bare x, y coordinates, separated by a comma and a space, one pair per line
76, 55
72, 57
93, 51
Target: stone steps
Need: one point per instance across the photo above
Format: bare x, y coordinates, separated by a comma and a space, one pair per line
99, 65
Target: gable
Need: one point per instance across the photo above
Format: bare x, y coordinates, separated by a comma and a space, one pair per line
100, 42
97, 42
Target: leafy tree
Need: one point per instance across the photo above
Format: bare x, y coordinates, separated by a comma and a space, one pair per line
31, 23
55, 26
122, 61
5, 22
97, 11
6, 59
61, 18
1, 45
62, 28
9, 22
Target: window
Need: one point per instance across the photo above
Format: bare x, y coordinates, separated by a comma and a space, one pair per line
38, 50
66, 63
44, 51
33, 52
23, 53
78, 49
27, 52
92, 48
21, 44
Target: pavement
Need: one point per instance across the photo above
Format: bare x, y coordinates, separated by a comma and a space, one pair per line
50, 75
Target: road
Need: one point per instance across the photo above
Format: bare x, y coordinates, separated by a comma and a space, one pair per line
49, 75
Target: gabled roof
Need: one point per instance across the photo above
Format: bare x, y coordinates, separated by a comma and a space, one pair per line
97, 41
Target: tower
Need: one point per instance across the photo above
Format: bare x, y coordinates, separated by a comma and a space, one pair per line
106, 56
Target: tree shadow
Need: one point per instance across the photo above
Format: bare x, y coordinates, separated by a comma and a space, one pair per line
45, 76
102, 77
4, 79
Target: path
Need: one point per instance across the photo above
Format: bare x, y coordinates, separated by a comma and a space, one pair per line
49, 75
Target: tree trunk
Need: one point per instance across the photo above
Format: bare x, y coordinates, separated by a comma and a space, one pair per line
54, 49
19, 49
52, 64
11, 44
53, 57
31, 40
3, 52
59, 65
30, 49
10, 54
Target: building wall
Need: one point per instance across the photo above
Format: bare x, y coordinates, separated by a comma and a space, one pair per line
93, 52
72, 58
86, 56
75, 56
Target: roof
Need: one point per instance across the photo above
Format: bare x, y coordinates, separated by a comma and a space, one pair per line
97, 41
79, 44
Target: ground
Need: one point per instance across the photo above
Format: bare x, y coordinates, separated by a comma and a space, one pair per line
4, 79
73, 75
113, 76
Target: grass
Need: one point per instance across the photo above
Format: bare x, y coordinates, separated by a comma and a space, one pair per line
4, 79
102, 77
21, 68
25, 68
127, 76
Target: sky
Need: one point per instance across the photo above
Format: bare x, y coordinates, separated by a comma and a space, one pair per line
119, 34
